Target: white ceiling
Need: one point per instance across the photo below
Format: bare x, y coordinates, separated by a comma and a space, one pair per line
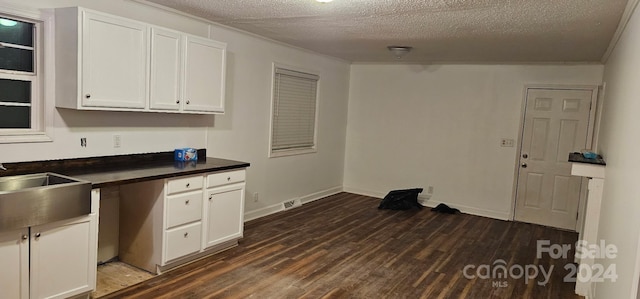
453, 31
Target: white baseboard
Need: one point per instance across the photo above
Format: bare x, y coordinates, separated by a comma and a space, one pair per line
319, 195
255, 214
470, 210
272, 209
425, 201
364, 192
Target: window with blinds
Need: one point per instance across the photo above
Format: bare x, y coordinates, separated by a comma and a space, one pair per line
293, 119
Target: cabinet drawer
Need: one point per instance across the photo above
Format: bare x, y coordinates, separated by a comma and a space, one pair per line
184, 208
183, 240
223, 178
184, 184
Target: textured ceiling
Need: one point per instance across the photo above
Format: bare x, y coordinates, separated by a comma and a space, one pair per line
456, 31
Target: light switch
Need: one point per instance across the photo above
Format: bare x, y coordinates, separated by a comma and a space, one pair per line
505, 142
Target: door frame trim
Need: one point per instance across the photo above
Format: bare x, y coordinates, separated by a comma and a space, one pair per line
590, 138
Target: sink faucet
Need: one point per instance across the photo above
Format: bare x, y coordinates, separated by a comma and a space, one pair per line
2, 167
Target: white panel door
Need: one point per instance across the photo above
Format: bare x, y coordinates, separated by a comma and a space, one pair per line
556, 123
224, 210
204, 75
63, 258
166, 69
14, 264
114, 62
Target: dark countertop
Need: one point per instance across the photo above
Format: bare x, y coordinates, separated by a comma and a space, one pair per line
137, 173
579, 158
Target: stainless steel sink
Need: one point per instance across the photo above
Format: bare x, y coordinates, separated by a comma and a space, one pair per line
34, 199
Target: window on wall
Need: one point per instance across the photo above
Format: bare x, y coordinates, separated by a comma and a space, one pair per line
21, 104
293, 116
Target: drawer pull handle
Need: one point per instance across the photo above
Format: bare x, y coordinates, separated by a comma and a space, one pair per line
228, 178
188, 185
25, 237
177, 101
186, 235
188, 102
186, 202
37, 235
210, 197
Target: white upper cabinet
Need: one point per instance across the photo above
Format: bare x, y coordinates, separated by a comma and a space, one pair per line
105, 62
114, 62
204, 75
166, 69
187, 72
101, 61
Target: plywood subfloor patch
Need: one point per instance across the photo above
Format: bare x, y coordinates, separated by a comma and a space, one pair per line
114, 276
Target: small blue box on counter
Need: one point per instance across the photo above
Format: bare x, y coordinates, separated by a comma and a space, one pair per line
185, 154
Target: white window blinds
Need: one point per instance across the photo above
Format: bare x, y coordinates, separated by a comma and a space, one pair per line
294, 110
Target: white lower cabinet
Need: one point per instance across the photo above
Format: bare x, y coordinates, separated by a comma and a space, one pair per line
56, 260
14, 262
224, 213
63, 258
165, 223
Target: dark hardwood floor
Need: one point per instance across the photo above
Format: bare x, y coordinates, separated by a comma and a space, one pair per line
344, 247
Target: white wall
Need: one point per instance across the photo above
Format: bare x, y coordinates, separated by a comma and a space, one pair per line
619, 143
141, 132
441, 125
243, 132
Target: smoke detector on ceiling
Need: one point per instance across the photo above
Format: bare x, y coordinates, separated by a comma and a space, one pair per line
399, 51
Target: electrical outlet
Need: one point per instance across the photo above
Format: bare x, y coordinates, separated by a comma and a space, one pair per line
83, 142
505, 142
117, 141
255, 196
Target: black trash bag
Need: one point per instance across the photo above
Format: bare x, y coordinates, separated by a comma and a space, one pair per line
443, 208
401, 199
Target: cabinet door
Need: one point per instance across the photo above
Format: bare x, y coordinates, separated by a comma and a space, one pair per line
224, 212
63, 258
204, 75
114, 62
166, 69
14, 262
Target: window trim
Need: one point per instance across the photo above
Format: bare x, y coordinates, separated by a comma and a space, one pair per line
42, 87
298, 151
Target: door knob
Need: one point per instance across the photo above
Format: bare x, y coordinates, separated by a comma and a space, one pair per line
37, 235
525, 155
524, 165
25, 237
